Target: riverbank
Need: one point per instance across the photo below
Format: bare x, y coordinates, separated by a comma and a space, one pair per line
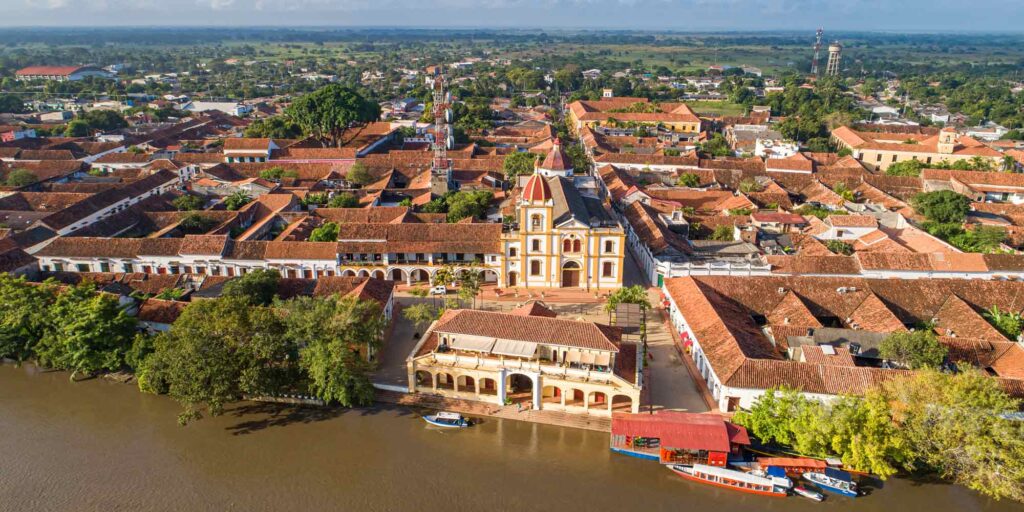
99, 445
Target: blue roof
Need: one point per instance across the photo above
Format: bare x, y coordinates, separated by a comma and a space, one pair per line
838, 474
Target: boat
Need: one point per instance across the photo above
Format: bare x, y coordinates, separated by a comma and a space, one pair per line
809, 494
447, 420
833, 480
729, 479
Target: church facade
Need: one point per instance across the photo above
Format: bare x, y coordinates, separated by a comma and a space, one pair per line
564, 238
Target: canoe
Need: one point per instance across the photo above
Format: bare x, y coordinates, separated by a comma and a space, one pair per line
809, 494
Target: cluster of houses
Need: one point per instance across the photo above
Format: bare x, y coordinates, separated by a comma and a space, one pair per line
779, 267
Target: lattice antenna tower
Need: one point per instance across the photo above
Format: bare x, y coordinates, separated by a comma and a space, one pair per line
817, 52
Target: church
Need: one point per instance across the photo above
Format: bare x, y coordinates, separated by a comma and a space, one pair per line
565, 236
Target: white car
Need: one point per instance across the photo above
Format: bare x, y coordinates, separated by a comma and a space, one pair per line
439, 290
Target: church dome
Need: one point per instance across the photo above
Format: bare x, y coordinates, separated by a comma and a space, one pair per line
537, 189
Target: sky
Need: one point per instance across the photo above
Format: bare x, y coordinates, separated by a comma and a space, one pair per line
681, 15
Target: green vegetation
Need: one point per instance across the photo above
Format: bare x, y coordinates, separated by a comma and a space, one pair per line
839, 247
688, 180
195, 223
950, 425
635, 294
237, 200
343, 200
421, 314
326, 233
277, 127
72, 328
749, 185
20, 178
256, 287
717, 146
188, 202
519, 164
913, 349
723, 233
943, 206
461, 205
276, 173
1010, 323
359, 174
327, 112
12, 104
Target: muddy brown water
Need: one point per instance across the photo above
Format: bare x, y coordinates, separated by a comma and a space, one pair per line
99, 445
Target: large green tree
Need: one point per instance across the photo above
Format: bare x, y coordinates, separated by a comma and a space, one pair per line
518, 164
913, 349
88, 332
258, 286
276, 127
327, 112
942, 206
217, 351
332, 334
22, 322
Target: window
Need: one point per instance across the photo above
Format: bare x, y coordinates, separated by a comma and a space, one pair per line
535, 221
607, 269
534, 268
576, 246
609, 246
104, 267
894, 158
535, 245
82, 267
512, 252
878, 157
566, 245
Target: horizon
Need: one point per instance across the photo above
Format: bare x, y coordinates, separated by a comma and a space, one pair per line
701, 16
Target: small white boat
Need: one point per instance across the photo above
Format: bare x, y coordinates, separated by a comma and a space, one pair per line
447, 420
809, 494
833, 480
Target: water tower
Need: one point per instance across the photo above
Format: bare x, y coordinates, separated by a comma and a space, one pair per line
835, 53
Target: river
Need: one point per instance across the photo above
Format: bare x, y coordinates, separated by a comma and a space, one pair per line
100, 445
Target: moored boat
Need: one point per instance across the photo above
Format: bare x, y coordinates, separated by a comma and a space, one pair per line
833, 480
730, 479
447, 420
809, 494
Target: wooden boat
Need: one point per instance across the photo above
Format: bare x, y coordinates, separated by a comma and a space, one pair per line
729, 479
809, 494
834, 480
447, 420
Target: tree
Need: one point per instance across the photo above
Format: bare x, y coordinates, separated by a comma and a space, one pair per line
688, 179
635, 294
12, 104
20, 178
104, 120
277, 172
470, 281
913, 349
468, 203
327, 112
276, 127
87, 332
723, 233
194, 223
21, 324
1010, 323
188, 202
750, 185
839, 247
77, 128
519, 164
717, 146
942, 206
979, 239
326, 233
257, 287
215, 352
957, 426
343, 200
421, 315
905, 168
237, 200
359, 174
330, 333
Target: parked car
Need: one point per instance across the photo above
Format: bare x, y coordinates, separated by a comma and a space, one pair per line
439, 290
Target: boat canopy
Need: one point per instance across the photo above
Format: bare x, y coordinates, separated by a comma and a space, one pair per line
732, 475
838, 474
449, 416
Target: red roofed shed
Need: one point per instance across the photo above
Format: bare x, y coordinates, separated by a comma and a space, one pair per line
672, 437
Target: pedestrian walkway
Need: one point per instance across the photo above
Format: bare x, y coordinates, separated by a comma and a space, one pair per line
508, 412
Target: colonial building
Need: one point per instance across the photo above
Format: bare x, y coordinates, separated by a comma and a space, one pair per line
563, 237
527, 357
878, 150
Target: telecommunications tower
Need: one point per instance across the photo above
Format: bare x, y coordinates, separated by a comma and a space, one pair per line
817, 52
441, 166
